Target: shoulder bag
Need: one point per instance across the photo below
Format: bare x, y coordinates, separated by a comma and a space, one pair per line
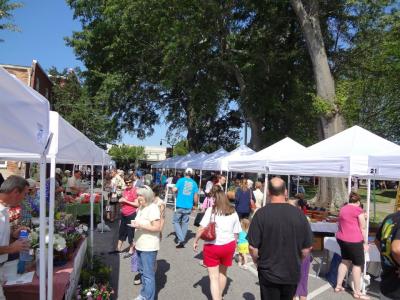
209, 232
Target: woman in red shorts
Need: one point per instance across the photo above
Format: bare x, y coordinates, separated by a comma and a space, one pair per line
218, 254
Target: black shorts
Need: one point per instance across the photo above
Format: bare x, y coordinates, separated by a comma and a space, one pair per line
353, 252
126, 231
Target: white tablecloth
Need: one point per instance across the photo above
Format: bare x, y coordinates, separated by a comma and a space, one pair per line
373, 254
324, 227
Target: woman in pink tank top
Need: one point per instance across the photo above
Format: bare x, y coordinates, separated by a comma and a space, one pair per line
350, 237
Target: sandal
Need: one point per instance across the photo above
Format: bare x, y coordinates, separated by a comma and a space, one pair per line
360, 296
339, 289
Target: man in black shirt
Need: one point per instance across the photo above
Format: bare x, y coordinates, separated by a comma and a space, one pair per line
388, 242
279, 237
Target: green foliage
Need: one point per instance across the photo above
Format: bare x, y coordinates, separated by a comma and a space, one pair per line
181, 148
87, 114
205, 66
321, 106
6, 8
99, 273
370, 77
124, 155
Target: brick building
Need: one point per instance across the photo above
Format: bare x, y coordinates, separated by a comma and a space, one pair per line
35, 77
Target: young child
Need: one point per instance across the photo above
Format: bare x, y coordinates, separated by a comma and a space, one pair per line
243, 244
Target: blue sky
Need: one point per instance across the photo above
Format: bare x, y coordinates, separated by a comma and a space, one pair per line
43, 25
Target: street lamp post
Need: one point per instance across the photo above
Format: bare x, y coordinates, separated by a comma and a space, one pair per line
172, 145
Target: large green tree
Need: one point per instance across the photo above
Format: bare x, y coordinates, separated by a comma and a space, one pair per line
370, 80
125, 155
87, 114
151, 60
194, 62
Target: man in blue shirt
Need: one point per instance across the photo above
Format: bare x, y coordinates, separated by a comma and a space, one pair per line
186, 198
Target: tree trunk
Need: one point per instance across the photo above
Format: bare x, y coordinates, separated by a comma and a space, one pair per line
332, 191
191, 128
256, 142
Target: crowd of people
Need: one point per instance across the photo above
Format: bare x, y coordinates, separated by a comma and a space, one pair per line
277, 235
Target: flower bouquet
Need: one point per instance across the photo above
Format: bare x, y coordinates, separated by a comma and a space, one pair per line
98, 292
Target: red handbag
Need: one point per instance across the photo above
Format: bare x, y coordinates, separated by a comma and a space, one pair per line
209, 232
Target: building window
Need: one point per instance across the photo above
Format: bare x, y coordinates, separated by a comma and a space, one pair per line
3, 164
37, 86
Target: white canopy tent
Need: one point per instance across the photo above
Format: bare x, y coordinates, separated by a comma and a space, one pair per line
257, 162
192, 160
221, 163
176, 164
68, 145
168, 162
24, 116
345, 154
385, 166
198, 165
24, 134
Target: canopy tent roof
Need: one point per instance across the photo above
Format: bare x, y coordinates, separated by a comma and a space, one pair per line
198, 164
221, 162
161, 163
176, 163
69, 145
24, 116
257, 162
166, 163
346, 153
385, 166
192, 160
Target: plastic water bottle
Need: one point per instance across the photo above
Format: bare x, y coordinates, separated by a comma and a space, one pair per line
24, 255
134, 262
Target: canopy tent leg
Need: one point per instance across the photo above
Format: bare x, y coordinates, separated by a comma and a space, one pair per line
349, 185
297, 185
91, 214
42, 229
201, 175
366, 232
226, 181
102, 196
51, 227
265, 189
288, 183
374, 198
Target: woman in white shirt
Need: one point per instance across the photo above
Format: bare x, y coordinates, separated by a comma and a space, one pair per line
147, 236
218, 254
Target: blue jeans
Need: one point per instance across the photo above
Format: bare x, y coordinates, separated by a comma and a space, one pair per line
181, 223
146, 266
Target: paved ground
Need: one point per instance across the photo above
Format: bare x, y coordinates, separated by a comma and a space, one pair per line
180, 275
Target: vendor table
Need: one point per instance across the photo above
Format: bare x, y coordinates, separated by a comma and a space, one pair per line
65, 279
83, 209
324, 227
332, 245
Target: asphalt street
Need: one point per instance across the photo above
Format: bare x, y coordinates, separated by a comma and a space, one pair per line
180, 274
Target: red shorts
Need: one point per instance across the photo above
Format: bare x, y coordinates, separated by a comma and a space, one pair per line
215, 255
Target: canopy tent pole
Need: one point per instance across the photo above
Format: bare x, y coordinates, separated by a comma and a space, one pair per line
102, 196
349, 185
374, 198
201, 175
366, 232
298, 183
265, 188
91, 214
52, 193
288, 180
42, 229
226, 181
